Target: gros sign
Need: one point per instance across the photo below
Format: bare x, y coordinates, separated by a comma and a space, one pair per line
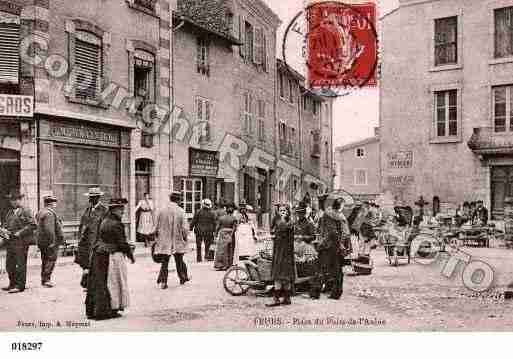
16, 105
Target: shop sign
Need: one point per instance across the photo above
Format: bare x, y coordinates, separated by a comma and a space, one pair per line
401, 159
16, 105
85, 134
203, 163
400, 180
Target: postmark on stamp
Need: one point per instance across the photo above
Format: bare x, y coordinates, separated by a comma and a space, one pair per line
339, 45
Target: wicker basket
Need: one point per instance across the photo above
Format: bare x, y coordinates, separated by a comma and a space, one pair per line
264, 269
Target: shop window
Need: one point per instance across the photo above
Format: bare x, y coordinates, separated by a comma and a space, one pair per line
446, 113
503, 108
88, 66
360, 152
360, 177
247, 114
75, 169
503, 32
202, 53
192, 195
9, 52
446, 41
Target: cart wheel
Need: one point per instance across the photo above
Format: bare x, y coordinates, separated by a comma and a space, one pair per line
232, 281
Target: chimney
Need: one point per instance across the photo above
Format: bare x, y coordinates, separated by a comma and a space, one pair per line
376, 131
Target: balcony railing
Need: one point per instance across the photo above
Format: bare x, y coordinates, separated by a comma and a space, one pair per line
485, 140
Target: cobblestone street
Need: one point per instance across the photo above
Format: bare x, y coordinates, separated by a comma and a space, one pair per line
407, 297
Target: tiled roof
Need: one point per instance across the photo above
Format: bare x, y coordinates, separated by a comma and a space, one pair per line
363, 142
209, 15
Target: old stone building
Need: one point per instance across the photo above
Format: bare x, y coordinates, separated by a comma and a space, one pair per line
357, 167
446, 95
305, 127
225, 85
84, 63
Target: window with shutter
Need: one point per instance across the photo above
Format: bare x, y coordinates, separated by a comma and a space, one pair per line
9, 52
202, 57
249, 38
242, 34
261, 120
265, 59
88, 66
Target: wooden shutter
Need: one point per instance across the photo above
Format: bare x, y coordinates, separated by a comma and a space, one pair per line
265, 59
257, 46
199, 109
88, 63
9, 52
242, 36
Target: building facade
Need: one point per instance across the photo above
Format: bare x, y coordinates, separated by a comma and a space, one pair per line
446, 95
91, 68
225, 83
357, 167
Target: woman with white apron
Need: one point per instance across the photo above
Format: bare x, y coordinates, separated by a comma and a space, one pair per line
245, 236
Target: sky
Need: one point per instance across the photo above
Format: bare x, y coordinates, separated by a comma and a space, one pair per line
355, 115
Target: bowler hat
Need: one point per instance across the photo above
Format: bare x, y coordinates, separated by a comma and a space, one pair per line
117, 202
243, 204
15, 195
94, 192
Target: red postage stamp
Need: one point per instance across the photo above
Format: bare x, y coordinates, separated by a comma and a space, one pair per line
342, 45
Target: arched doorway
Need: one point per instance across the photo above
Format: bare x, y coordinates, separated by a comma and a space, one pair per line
9, 177
143, 173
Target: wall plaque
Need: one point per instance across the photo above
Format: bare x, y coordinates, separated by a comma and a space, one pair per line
401, 159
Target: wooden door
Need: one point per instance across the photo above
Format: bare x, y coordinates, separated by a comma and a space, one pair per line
502, 187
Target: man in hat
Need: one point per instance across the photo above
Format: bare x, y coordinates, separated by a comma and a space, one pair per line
204, 225
171, 239
88, 230
21, 225
49, 238
480, 215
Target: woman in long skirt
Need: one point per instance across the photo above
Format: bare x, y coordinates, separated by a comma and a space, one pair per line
283, 268
107, 291
225, 230
146, 222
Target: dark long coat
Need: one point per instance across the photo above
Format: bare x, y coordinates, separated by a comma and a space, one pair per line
88, 232
283, 252
111, 239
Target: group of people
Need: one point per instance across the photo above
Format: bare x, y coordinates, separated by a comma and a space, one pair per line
474, 213
21, 229
227, 233
331, 248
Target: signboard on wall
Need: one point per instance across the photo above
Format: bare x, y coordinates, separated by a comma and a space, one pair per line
203, 163
401, 159
400, 180
16, 105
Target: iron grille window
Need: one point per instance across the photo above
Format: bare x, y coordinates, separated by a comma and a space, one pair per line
504, 32
9, 52
203, 116
446, 113
88, 67
446, 41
